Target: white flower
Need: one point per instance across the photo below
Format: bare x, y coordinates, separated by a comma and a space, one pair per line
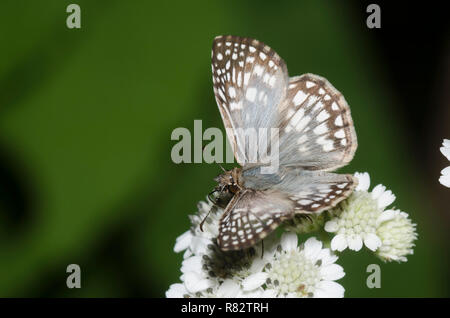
196, 239
445, 177
358, 217
211, 272
176, 291
397, 234
298, 271
445, 149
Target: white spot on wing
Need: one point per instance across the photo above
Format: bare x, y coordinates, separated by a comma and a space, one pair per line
303, 122
232, 92
246, 78
334, 106
338, 121
299, 98
323, 115
340, 134
310, 84
251, 94
321, 129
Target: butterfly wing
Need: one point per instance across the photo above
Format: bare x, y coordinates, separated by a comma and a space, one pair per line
253, 216
309, 191
316, 191
250, 82
257, 213
316, 128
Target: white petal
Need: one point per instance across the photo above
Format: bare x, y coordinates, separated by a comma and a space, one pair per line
312, 248
192, 264
339, 243
446, 152
446, 171
254, 281
445, 178
176, 291
445, 181
183, 241
228, 289
195, 282
355, 243
363, 181
446, 143
269, 293
386, 216
327, 257
331, 226
199, 245
332, 272
289, 241
187, 253
372, 241
328, 289
257, 293
203, 206
386, 199
378, 191
257, 265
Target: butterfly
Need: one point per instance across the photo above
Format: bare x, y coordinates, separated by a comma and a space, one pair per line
315, 135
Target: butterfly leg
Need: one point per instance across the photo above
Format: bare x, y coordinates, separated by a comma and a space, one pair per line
204, 219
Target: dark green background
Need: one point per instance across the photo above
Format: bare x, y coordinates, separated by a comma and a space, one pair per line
86, 117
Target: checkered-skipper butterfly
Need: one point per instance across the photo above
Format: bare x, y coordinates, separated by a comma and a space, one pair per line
316, 135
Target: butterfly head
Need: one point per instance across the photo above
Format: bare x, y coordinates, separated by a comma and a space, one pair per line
230, 181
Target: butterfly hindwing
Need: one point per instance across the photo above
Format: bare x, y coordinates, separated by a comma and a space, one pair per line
316, 191
310, 191
316, 127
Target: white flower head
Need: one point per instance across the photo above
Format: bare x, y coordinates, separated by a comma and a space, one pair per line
397, 234
211, 272
445, 173
290, 270
357, 218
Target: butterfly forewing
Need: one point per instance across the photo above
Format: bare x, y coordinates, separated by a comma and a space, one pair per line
250, 81
254, 215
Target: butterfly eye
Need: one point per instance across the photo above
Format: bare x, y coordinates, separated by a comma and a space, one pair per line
233, 188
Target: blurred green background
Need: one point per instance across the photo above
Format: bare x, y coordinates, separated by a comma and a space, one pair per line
86, 117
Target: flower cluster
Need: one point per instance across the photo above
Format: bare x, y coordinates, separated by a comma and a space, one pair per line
281, 268
285, 267
445, 173
363, 219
